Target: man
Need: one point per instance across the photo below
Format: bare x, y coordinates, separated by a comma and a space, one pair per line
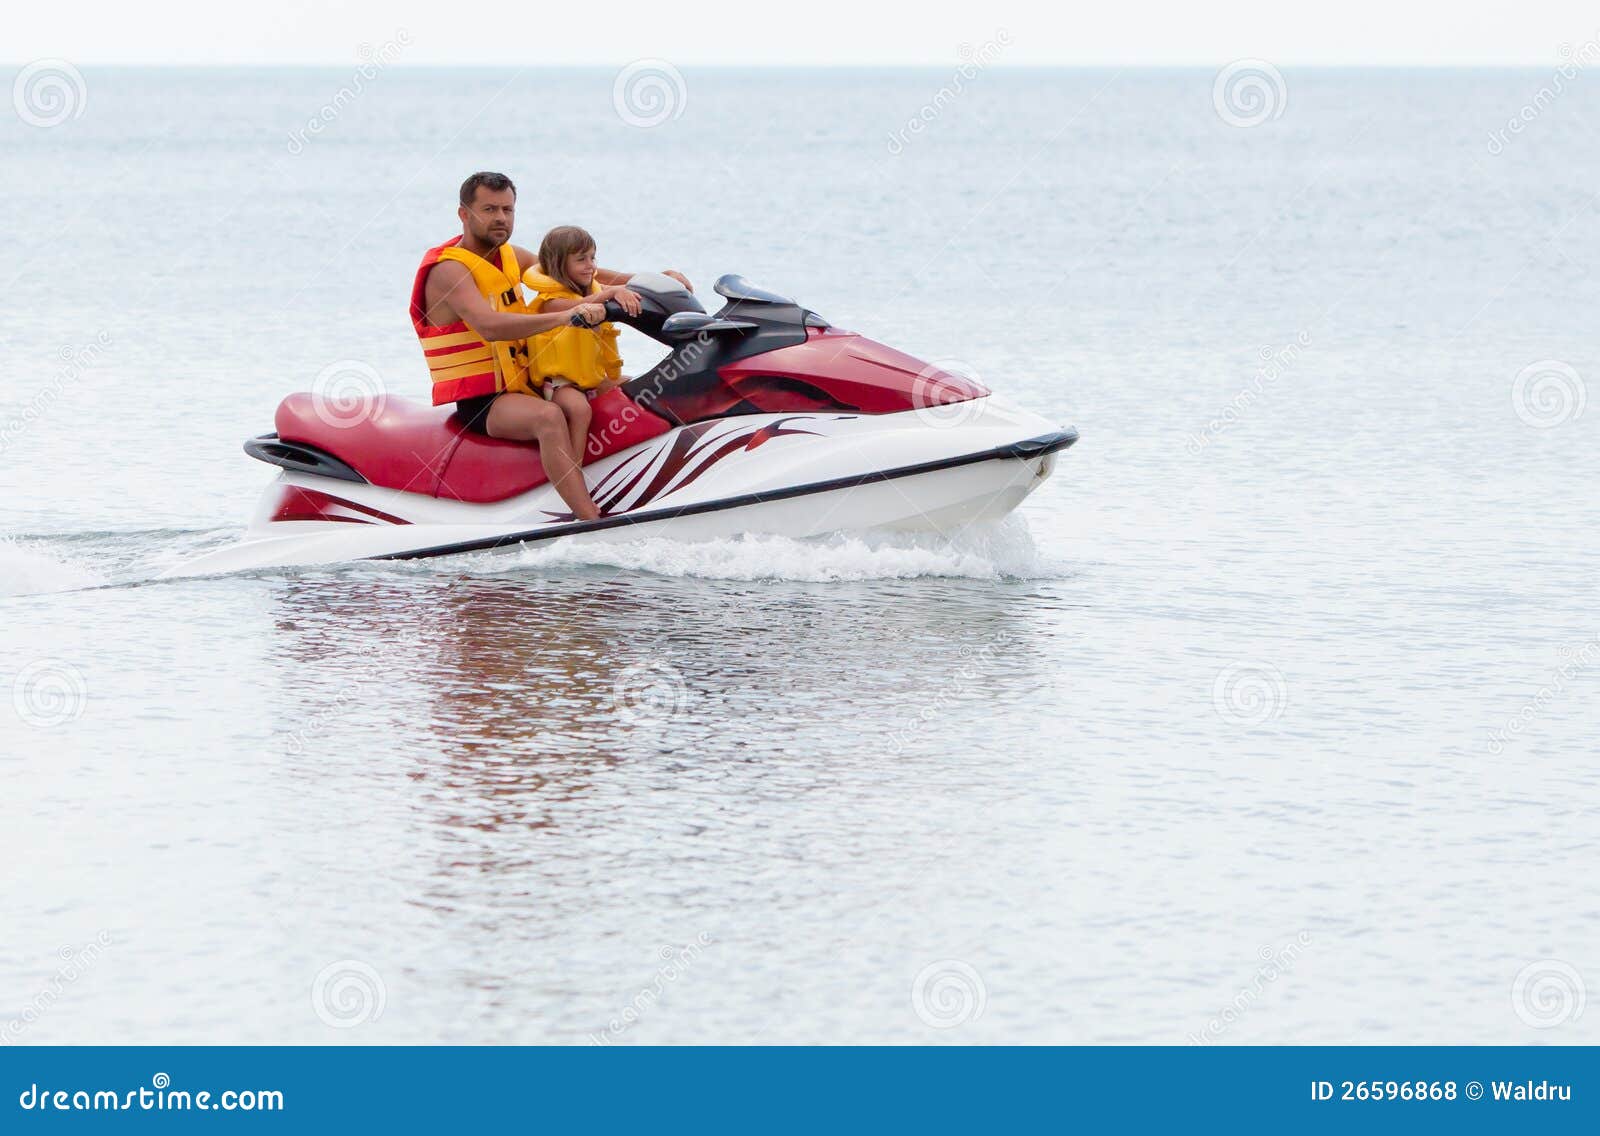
468, 311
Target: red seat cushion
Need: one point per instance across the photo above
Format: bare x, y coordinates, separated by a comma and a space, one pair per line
485, 469
404, 445
392, 442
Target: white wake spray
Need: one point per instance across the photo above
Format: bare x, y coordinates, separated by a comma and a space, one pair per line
26, 570
993, 552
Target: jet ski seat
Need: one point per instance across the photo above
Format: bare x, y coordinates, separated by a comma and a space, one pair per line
399, 444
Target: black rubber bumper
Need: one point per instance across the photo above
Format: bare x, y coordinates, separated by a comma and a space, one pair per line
1043, 444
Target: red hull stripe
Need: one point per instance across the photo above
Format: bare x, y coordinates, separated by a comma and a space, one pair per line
298, 504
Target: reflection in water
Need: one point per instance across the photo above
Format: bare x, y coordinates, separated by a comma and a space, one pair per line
522, 808
521, 684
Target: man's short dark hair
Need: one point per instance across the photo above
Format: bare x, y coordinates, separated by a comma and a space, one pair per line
489, 180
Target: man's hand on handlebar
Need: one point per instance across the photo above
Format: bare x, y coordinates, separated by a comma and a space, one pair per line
590, 315
679, 277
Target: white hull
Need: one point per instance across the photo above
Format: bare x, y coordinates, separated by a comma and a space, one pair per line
823, 474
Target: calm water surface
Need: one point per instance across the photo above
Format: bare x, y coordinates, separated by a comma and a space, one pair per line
1212, 741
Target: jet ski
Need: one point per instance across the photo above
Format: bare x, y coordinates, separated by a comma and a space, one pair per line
762, 418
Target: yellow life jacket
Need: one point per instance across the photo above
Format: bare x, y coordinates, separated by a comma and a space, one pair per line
461, 363
581, 355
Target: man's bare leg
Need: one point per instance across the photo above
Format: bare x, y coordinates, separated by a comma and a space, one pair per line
529, 418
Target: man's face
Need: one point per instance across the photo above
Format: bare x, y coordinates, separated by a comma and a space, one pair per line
489, 218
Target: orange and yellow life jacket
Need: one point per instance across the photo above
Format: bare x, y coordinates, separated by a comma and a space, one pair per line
584, 356
461, 363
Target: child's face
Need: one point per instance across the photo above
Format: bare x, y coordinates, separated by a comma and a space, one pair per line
580, 267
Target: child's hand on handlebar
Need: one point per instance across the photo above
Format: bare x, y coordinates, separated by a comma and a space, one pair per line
626, 300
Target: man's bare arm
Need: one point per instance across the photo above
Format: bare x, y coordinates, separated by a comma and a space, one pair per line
452, 295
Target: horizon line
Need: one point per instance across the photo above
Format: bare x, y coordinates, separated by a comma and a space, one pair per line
310, 65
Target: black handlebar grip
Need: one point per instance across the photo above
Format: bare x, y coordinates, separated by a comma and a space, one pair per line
613, 312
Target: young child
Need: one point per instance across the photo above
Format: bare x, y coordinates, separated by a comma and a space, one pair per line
573, 363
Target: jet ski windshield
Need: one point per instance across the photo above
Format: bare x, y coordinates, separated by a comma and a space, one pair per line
670, 313
737, 288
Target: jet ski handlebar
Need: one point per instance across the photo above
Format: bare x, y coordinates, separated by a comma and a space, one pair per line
677, 325
670, 313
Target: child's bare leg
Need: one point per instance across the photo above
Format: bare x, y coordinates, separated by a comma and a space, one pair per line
529, 418
575, 405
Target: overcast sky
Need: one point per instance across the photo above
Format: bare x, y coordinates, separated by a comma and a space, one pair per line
744, 33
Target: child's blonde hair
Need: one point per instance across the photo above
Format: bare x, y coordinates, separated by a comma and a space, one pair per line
558, 244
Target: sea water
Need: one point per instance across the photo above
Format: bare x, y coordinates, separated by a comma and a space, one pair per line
1269, 718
